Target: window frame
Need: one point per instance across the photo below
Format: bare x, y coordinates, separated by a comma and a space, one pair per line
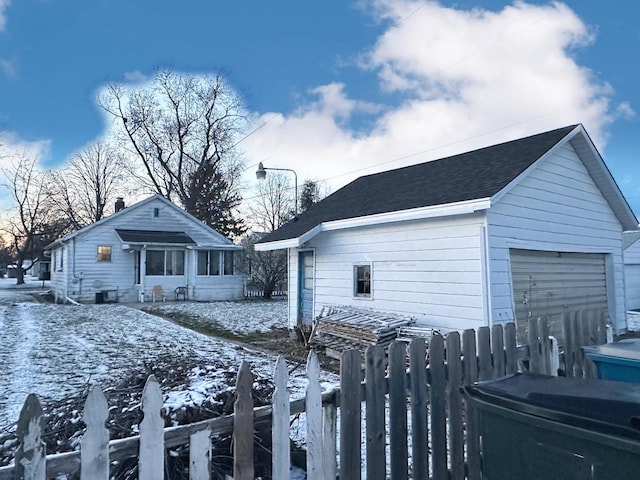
168, 256
99, 254
365, 281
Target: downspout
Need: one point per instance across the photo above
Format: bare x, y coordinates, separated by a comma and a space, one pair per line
485, 264
73, 272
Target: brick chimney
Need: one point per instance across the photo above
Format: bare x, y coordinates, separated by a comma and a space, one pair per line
119, 204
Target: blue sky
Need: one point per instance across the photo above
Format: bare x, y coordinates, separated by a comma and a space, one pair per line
340, 88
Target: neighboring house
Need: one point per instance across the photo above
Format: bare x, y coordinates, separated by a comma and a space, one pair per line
631, 245
531, 227
150, 244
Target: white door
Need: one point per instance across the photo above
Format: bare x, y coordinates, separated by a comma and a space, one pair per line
547, 284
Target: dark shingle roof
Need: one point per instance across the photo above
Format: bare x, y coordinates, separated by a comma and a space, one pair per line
155, 236
467, 176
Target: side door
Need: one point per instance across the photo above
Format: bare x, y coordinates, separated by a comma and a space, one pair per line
305, 288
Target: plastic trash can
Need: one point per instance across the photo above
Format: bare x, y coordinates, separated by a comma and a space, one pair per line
556, 428
618, 361
100, 297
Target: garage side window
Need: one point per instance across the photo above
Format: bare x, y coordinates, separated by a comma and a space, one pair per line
104, 253
362, 280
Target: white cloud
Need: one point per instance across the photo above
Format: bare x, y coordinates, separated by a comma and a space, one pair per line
467, 79
8, 68
12, 146
3, 18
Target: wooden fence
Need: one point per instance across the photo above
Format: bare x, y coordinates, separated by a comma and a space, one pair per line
423, 401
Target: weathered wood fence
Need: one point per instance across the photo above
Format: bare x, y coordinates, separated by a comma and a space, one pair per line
411, 397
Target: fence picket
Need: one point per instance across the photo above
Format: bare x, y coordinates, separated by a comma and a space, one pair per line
497, 350
314, 419
456, 423
151, 459
350, 415
438, 407
243, 425
398, 410
30, 457
94, 462
375, 422
510, 349
569, 344
473, 429
485, 367
534, 346
280, 429
329, 440
200, 455
579, 340
418, 395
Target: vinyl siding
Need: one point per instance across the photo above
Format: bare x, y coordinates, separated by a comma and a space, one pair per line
555, 207
430, 269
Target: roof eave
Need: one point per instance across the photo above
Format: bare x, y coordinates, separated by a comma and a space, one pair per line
457, 208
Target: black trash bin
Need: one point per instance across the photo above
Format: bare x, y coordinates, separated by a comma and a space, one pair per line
100, 297
557, 428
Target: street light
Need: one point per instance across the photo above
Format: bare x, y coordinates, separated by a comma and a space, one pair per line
261, 174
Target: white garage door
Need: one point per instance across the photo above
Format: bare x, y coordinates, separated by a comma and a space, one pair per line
547, 284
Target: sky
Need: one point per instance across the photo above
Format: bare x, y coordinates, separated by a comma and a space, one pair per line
336, 89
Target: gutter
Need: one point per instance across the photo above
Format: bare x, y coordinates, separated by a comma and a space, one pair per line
458, 208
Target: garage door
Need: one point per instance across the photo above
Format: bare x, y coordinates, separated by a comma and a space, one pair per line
547, 284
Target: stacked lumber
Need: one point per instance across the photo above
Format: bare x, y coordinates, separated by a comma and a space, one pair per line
341, 328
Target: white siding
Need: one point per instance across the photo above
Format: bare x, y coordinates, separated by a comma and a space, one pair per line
632, 276
428, 269
556, 207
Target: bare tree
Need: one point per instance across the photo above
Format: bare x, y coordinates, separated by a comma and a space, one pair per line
183, 129
29, 214
92, 179
273, 206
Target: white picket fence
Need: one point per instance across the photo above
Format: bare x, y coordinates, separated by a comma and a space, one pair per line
96, 452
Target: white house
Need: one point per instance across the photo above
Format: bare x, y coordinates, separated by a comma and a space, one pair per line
150, 244
528, 227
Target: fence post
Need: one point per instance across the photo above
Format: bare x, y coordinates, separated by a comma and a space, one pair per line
456, 424
281, 417
30, 456
398, 410
438, 384
243, 425
418, 393
350, 415
314, 418
375, 418
151, 455
473, 429
94, 446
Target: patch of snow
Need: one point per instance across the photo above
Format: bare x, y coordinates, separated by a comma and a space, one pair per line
56, 350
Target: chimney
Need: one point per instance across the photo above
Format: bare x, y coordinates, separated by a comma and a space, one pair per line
119, 204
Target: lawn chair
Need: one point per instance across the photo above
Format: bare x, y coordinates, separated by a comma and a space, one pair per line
181, 291
157, 293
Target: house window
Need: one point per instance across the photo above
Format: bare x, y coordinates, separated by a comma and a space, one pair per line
212, 262
164, 262
104, 253
61, 259
208, 262
362, 280
229, 263
156, 212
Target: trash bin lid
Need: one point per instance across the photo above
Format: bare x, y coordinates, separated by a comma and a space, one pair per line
629, 348
597, 404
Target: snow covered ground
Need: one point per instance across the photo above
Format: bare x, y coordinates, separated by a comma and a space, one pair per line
54, 350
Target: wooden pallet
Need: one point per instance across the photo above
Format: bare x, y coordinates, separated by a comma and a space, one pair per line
344, 328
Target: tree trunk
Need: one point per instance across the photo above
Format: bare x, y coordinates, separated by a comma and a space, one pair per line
19, 273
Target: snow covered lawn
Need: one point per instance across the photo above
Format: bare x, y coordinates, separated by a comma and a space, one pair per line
55, 350
240, 318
